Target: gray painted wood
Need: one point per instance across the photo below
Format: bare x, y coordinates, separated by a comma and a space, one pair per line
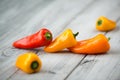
57, 15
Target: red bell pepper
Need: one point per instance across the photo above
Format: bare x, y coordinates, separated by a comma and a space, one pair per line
39, 39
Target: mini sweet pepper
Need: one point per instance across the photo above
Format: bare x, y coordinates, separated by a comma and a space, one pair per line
39, 39
96, 45
29, 62
64, 40
105, 24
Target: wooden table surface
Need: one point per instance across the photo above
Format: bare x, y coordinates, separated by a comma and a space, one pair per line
19, 18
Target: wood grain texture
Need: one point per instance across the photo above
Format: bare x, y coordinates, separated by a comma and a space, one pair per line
24, 17
31, 27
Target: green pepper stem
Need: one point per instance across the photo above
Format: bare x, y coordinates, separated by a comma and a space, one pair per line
99, 22
76, 34
48, 35
109, 38
34, 65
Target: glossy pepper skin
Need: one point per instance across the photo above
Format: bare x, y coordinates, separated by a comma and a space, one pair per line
29, 62
39, 39
64, 40
104, 24
96, 45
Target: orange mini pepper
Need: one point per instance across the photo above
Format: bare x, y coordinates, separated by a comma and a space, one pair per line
96, 45
64, 40
104, 24
29, 62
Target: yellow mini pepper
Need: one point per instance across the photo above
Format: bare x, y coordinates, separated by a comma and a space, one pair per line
64, 40
104, 24
29, 62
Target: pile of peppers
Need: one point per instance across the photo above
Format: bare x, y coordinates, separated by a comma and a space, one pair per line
66, 40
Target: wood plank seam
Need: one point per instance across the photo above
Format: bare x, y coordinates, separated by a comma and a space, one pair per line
75, 68
87, 61
13, 74
108, 77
